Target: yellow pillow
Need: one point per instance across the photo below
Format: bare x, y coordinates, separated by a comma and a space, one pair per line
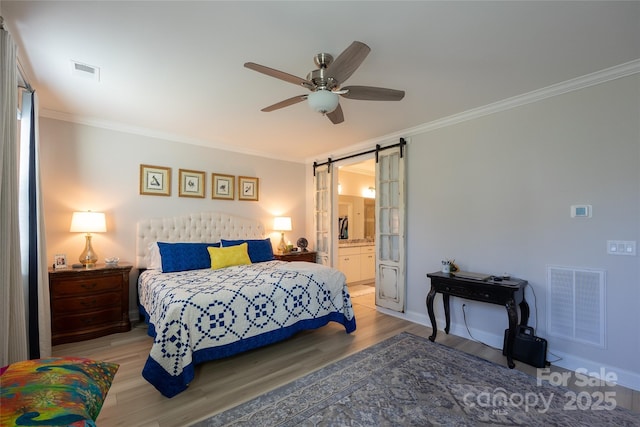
229, 256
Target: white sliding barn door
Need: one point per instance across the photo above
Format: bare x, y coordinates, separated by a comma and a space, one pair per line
390, 230
323, 217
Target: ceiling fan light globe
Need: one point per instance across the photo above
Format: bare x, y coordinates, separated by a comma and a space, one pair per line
323, 101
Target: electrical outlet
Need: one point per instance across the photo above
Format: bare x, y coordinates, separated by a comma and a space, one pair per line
621, 247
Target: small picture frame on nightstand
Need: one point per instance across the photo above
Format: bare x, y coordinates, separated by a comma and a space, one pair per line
60, 261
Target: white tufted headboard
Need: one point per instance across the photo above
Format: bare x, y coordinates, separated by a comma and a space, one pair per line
197, 227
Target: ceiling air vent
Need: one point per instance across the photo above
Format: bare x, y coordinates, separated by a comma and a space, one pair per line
85, 71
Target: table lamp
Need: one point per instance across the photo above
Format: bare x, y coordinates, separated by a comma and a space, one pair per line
88, 222
282, 224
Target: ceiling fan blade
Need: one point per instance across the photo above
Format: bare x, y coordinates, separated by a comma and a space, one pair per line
348, 61
336, 115
285, 103
369, 93
279, 74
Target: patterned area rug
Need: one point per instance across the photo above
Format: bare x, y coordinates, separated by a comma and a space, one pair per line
410, 381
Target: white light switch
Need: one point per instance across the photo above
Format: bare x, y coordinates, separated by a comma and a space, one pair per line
621, 247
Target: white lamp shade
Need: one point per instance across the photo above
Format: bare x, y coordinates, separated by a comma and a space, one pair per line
88, 222
282, 223
323, 101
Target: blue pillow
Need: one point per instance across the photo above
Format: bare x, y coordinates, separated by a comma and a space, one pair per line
185, 256
259, 250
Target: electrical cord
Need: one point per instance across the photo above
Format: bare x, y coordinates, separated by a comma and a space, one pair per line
464, 316
535, 310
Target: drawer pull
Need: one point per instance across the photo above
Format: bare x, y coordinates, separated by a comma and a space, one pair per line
88, 303
88, 286
88, 321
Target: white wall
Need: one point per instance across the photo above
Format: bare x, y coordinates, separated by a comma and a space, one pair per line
85, 167
495, 194
355, 184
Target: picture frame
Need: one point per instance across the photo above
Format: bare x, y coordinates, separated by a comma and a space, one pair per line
192, 183
223, 186
155, 180
60, 261
248, 188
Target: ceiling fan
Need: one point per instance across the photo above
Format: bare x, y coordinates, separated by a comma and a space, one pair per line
324, 83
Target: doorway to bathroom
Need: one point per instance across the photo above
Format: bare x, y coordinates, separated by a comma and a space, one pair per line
356, 225
340, 235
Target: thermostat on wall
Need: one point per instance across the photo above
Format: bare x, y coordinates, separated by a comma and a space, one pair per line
581, 211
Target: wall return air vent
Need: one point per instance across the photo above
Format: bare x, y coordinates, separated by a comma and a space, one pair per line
85, 71
576, 304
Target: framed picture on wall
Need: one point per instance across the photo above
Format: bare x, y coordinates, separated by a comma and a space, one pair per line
248, 188
192, 183
155, 180
222, 186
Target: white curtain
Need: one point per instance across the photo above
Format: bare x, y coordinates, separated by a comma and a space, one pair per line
33, 246
13, 329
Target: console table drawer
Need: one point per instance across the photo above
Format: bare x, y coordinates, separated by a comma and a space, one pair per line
470, 293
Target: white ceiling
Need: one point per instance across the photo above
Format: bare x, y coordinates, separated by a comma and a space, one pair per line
175, 69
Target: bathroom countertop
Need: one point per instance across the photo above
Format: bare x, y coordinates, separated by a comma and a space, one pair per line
355, 243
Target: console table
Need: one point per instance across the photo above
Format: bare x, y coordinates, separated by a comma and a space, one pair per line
502, 292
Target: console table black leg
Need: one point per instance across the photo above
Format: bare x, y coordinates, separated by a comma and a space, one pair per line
511, 336
430, 296
524, 313
447, 312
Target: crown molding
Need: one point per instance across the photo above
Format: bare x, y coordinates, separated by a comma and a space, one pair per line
150, 133
596, 78
602, 76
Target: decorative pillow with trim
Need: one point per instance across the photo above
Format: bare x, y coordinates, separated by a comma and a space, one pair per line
260, 250
229, 256
184, 256
154, 261
58, 391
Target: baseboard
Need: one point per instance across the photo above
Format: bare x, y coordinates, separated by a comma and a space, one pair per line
625, 378
134, 317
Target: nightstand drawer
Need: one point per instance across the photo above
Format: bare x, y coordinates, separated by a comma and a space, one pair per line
87, 302
75, 287
77, 322
296, 256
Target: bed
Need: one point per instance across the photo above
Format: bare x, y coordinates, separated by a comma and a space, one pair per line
209, 288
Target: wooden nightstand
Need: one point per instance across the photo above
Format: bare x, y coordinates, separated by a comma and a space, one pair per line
89, 302
296, 256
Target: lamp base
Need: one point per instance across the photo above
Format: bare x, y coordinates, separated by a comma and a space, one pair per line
88, 257
282, 247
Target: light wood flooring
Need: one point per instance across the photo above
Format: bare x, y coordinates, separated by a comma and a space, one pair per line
222, 384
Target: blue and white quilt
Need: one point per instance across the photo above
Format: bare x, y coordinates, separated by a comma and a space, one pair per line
201, 315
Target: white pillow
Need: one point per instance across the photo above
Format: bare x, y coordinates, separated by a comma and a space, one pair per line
154, 261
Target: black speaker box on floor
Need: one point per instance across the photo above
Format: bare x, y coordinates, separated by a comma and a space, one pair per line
527, 347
